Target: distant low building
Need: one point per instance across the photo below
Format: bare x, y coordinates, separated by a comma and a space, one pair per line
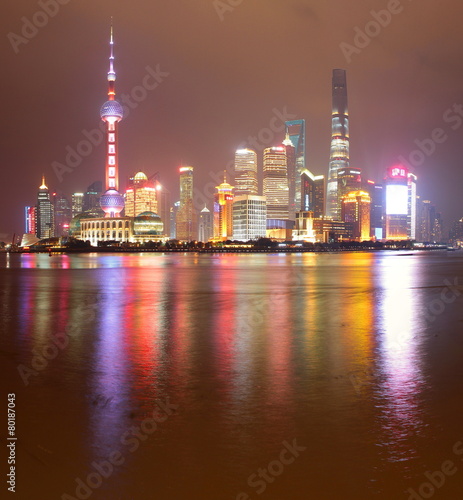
140, 229
304, 228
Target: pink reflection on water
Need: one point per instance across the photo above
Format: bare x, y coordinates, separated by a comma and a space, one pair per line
110, 382
401, 326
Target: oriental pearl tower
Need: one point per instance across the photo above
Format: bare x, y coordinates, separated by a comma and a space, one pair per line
111, 202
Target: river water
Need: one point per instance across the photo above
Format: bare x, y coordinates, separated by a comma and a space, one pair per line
271, 376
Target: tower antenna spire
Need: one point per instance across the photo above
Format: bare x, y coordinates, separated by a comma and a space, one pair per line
111, 73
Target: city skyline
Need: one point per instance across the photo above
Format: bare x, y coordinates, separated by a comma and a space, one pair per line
287, 187
149, 140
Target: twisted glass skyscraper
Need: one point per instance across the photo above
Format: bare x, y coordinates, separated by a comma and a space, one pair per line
339, 152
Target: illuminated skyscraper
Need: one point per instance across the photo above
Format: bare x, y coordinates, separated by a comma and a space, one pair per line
112, 202
245, 172
249, 217
163, 203
291, 172
92, 196
63, 215
356, 208
313, 193
412, 215
205, 225
223, 211
31, 220
173, 220
339, 152
349, 179
429, 224
295, 132
77, 203
140, 196
376, 193
397, 203
276, 188
186, 218
45, 213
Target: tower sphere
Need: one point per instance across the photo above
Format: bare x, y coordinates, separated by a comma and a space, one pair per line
111, 109
112, 202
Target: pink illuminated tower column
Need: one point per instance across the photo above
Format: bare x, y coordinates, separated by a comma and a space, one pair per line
112, 202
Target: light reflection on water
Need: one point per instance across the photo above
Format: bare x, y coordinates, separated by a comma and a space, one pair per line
255, 350
400, 357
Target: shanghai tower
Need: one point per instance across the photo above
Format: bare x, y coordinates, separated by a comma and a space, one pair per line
339, 152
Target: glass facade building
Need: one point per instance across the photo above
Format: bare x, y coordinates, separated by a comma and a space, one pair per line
356, 208
339, 151
246, 172
186, 218
313, 193
276, 188
295, 132
249, 217
140, 196
45, 213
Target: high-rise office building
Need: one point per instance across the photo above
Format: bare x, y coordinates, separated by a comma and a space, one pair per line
163, 205
30, 214
376, 193
63, 214
349, 179
429, 223
355, 208
140, 196
173, 220
424, 223
456, 233
223, 211
112, 202
45, 213
92, 196
205, 225
412, 215
249, 217
275, 183
438, 229
291, 172
397, 203
313, 193
295, 132
339, 151
186, 219
77, 203
246, 172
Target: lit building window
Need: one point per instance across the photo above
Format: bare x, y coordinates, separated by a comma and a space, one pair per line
112, 183
111, 137
111, 126
112, 149
112, 160
112, 172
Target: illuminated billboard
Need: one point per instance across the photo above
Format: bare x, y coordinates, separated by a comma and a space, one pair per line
396, 199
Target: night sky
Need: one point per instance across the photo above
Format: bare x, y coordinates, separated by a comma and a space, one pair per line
229, 69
